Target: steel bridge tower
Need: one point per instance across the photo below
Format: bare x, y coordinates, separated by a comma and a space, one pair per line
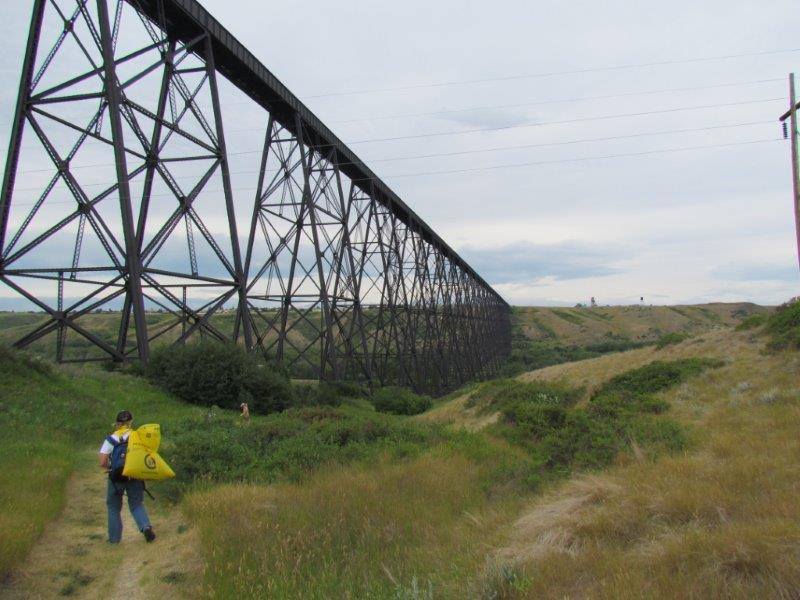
121, 195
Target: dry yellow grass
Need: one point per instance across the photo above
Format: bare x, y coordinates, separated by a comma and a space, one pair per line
591, 373
721, 520
458, 412
584, 326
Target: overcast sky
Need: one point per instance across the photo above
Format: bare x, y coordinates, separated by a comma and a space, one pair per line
551, 222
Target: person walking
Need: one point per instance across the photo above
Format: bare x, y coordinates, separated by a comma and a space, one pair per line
112, 460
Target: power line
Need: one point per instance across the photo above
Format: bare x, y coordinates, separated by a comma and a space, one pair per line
441, 154
489, 129
585, 158
489, 168
562, 122
553, 73
561, 101
568, 142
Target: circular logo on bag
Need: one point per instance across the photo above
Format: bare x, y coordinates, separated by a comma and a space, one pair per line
149, 462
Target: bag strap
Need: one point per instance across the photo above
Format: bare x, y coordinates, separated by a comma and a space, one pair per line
144, 487
110, 439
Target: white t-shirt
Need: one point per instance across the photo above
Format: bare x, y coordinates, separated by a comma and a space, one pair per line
107, 447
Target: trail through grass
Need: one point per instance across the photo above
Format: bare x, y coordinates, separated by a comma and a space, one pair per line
72, 558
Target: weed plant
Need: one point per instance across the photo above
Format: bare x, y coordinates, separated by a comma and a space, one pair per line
400, 401
783, 326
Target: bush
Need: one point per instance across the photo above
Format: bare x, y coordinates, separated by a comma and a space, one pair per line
543, 417
529, 355
752, 322
287, 445
671, 338
656, 376
783, 326
399, 401
218, 374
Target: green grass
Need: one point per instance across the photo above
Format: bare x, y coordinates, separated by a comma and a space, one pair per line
47, 416
656, 376
595, 314
682, 312
752, 322
568, 316
357, 532
542, 326
50, 414
291, 445
528, 355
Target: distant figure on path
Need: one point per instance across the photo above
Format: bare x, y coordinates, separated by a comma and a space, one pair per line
112, 461
245, 411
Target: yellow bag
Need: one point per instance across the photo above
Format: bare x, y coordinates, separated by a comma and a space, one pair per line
142, 461
150, 436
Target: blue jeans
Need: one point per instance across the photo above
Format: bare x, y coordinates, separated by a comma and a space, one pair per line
135, 491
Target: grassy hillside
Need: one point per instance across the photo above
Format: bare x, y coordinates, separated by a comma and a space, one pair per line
718, 521
54, 416
587, 326
656, 472
550, 335
544, 336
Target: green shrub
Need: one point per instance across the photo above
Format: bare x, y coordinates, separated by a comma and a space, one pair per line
752, 322
528, 355
656, 376
670, 339
322, 394
399, 401
582, 442
543, 417
287, 445
783, 326
218, 374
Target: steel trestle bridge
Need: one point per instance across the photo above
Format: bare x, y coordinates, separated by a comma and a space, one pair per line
326, 271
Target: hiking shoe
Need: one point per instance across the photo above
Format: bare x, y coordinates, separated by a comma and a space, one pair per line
149, 535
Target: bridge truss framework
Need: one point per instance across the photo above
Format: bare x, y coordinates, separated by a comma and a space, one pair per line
327, 271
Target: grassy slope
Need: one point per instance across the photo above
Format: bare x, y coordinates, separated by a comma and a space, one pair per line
53, 417
719, 521
584, 326
590, 374
48, 417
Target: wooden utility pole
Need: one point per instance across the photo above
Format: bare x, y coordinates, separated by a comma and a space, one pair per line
791, 114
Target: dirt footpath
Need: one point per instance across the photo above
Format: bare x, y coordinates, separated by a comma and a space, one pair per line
72, 558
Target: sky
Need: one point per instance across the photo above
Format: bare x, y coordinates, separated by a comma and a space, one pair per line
587, 182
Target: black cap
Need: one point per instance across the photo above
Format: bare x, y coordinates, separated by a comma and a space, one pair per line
124, 416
